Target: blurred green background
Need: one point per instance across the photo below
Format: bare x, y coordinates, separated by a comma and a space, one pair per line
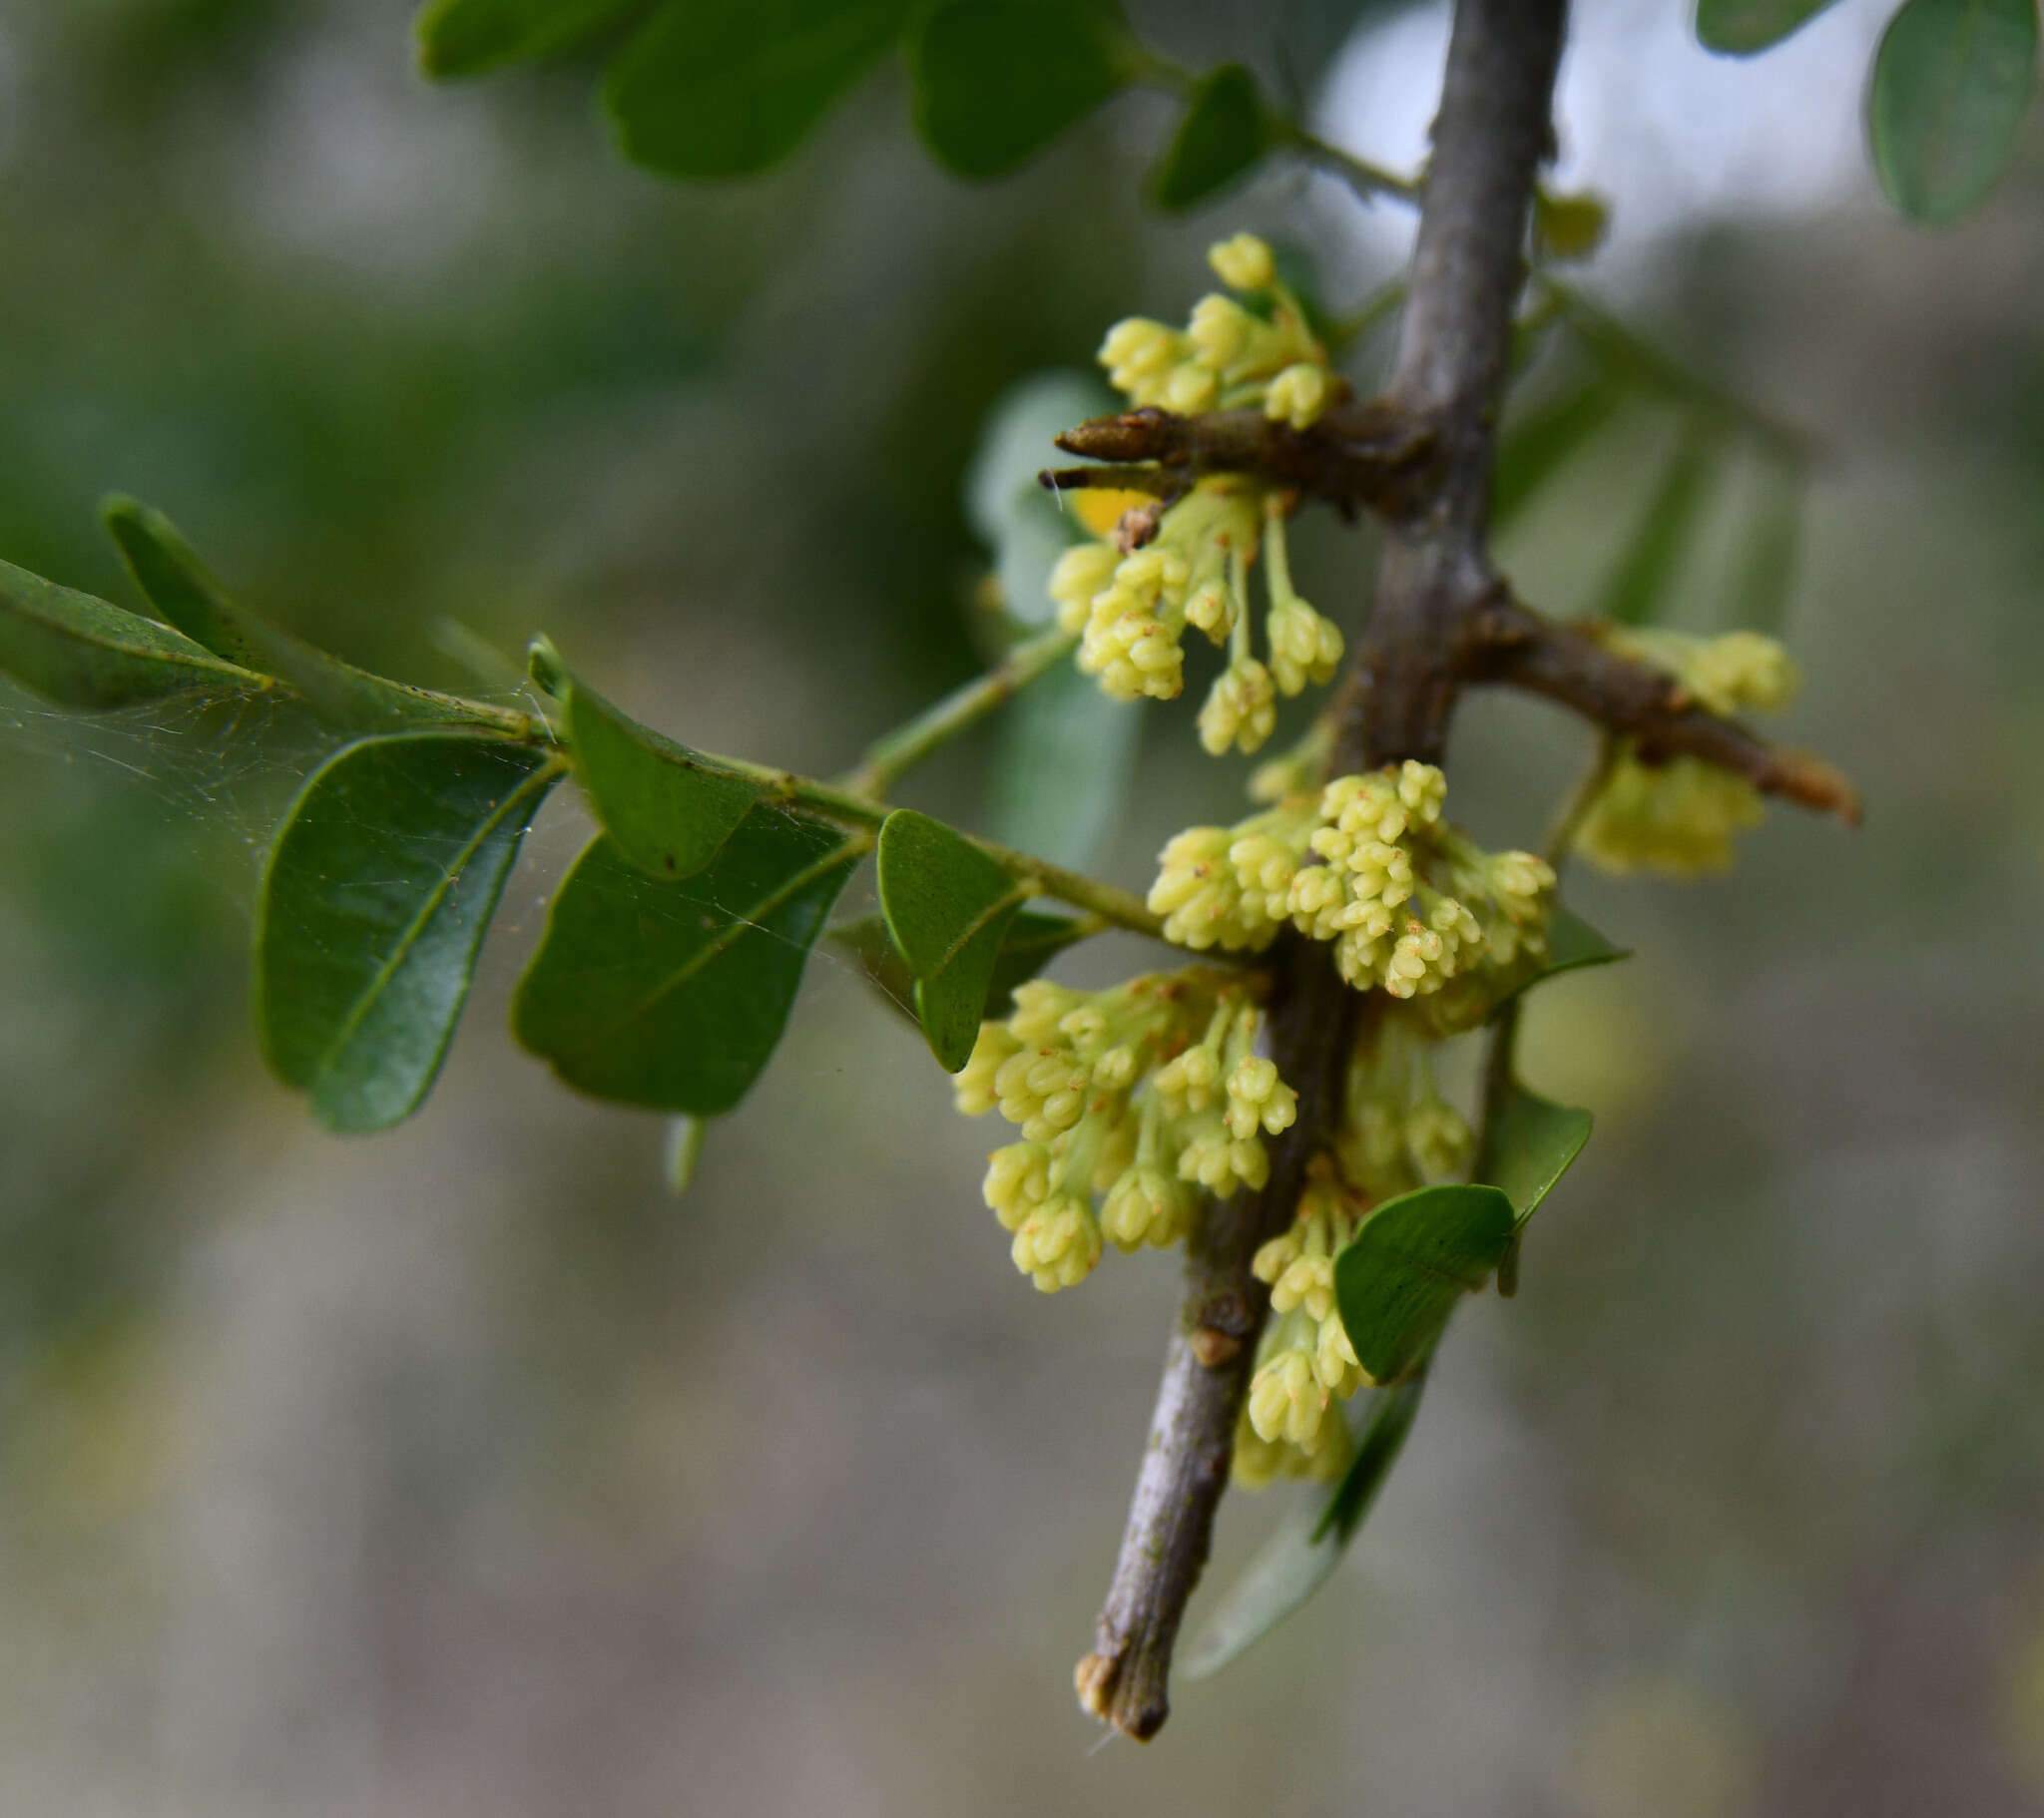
465, 1471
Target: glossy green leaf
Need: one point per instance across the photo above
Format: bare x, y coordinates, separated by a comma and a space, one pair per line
1529, 1147
375, 900
1539, 444
1950, 82
1739, 28
997, 79
1308, 1544
1571, 944
1222, 136
80, 652
668, 808
1032, 940
947, 907
728, 88
672, 996
180, 587
1639, 589
467, 37
1397, 1280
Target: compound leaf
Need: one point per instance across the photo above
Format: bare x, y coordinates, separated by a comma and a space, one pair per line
1950, 82
949, 907
82, 652
997, 79
1397, 1280
467, 37
1222, 136
728, 88
1740, 28
375, 900
672, 996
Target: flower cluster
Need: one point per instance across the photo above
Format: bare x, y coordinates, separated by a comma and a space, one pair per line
1304, 1361
1229, 355
1141, 1094
1128, 598
1680, 817
1370, 865
1397, 1133
1131, 610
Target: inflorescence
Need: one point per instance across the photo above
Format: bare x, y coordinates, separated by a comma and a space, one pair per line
1132, 1102
1680, 817
1131, 601
1411, 902
1142, 1094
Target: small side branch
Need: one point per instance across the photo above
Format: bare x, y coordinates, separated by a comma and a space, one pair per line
1520, 647
1363, 453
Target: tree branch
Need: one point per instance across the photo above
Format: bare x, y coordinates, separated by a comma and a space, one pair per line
1366, 452
1513, 644
1433, 579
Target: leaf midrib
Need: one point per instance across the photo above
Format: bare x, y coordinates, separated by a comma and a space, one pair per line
540, 780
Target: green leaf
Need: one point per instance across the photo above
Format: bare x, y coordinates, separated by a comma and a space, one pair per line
672, 996
179, 587
997, 79
1950, 82
1397, 1280
1222, 136
1639, 586
1529, 1143
949, 907
80, 652
375, 900
1302, 1553
1529, 1147
1537, 446
1571, 944
728, 88
668, 809
467, 37
1033, 939
1739, 28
